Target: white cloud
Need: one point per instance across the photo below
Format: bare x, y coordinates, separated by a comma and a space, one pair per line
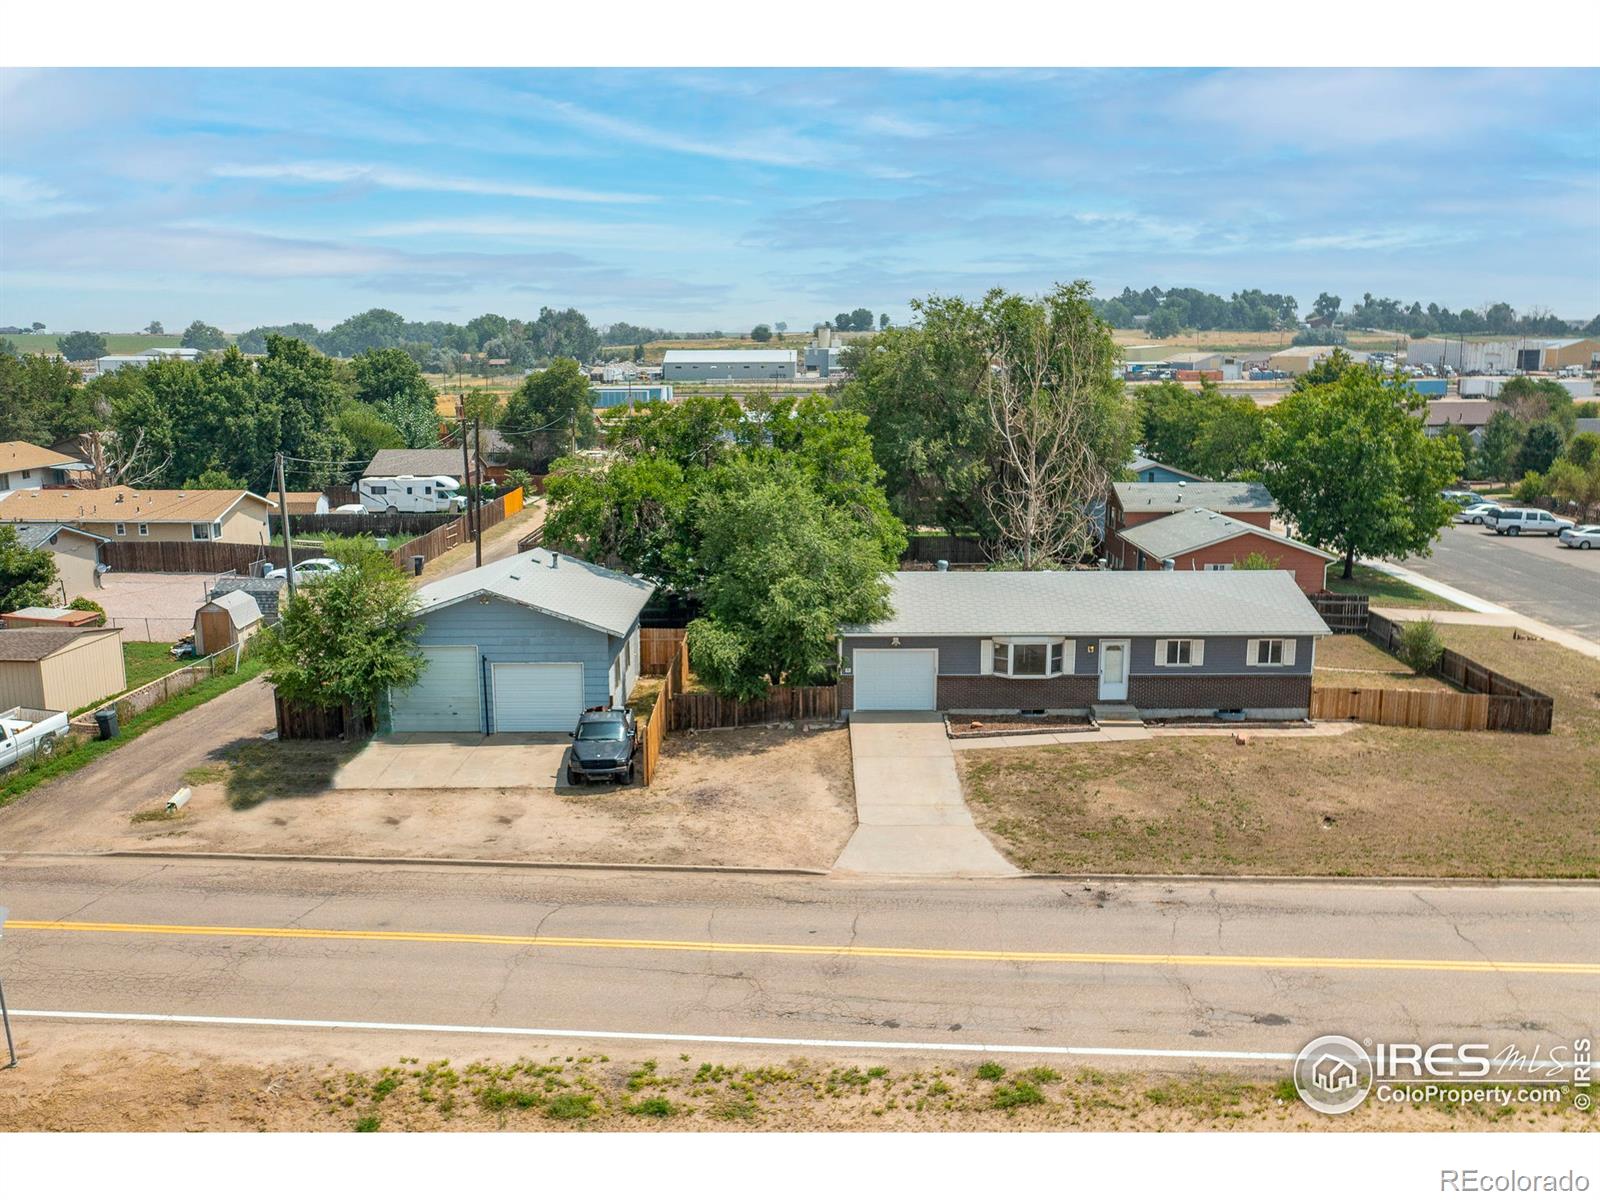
789, 151
400, 179
23, 196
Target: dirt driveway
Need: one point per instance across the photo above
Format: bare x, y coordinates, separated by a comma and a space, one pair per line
748, 797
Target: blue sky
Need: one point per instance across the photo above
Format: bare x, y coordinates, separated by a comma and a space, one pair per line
699, 199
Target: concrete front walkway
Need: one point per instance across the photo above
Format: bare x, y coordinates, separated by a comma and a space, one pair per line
911, 818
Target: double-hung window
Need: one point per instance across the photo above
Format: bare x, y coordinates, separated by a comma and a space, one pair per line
1027, 657
1271, 652
200, 533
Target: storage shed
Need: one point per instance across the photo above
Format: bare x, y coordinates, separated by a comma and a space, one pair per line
60, 669
224, 620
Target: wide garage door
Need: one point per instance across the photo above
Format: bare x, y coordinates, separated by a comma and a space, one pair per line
897, 680
447, 698
537, 697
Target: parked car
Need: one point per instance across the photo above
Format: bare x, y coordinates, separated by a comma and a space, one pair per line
29, 732
311, 568
351, 508
1581, 537
1461, 497
1526, 520
602, 746
1474, 514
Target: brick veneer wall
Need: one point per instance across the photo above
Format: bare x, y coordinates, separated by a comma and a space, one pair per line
1309, 569
1220, 691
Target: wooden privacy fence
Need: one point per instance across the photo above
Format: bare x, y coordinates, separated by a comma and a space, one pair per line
451, 534
303, 722
928, 548
356, 524
655, 729
1396, 706
1513, 707
701, 710
191, 558
1343, 614
657, 648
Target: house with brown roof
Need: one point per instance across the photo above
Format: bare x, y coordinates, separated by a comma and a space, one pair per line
25, 466
123, 514
1198, 539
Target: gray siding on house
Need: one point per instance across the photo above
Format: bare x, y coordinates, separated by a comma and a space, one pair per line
505, 632
1223, 655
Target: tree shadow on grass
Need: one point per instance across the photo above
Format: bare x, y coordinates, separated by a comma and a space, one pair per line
260, 771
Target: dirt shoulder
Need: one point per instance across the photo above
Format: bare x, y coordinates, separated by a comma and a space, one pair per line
131, 1090
747, 797
1378, 801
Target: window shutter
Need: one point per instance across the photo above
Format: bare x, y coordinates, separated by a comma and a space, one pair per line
1055, 659
1197, 653
1069, 656
1288, 652
986, 657
1252, 653
1161, 652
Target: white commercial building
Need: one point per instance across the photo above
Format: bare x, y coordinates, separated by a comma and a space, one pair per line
733, 365
107, 363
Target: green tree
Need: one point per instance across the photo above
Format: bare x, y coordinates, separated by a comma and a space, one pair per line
1164, 323
347, 638
861, 318
27, 577
1583, 449
487, 328
883, 321
1256, 561
215, 479
1532, 400
1326, 370
1541, 446
81, 346
1498, 445
305, 395
638, 353
1462, 437
155, 328
485, 407
84, 604
761, 333
1577, 484
389, 383
783, 571
1326, 307
1420, 645
371, 330
200, 336
1351, 466
367, 433
632, 513
41, 402
549, 416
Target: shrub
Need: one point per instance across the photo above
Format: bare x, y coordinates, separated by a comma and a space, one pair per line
1420, 647
991, 1070
1015, 1095
84, 604
1530, 489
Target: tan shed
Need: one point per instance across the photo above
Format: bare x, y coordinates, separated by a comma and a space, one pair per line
60, 669
231, 617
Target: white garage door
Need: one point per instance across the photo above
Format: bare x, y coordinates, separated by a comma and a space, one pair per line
898, 680
537, 697
447, 698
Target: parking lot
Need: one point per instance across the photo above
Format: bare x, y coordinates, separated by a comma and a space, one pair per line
151, 606
1536, 576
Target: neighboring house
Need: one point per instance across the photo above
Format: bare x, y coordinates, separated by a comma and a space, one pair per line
25, 466
1587, 425
306, 504
1148, 470
1198, 539
419, 462
523, 645
123, 514
224, 620
60, 669
75, 552
1170, 643
703, 365
268, 593
1472, 415
1135, 503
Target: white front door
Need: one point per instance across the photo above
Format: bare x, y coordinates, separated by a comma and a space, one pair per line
1114, 670
896, 680
447, 697
537, 697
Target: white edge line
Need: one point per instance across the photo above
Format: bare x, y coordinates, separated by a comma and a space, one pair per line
613, 1035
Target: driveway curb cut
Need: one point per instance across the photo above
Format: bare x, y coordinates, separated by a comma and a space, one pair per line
360, 860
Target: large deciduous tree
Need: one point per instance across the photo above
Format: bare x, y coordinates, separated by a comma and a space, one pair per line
27, 577
81, 346
388, 382
550, 415
41, 402
200, 336
1351, 467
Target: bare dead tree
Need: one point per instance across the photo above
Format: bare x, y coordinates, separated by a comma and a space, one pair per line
1044, 390
113, 463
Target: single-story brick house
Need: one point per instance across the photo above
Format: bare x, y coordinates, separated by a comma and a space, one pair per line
522, 645
1169, 643
1198, 539
1131, 504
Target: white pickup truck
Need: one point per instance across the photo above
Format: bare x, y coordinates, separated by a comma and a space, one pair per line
29, 732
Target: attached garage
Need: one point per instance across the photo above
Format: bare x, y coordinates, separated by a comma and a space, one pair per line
537, 697
447, 698
896, 680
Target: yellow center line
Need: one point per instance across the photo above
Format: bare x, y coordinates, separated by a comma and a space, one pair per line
1011, 956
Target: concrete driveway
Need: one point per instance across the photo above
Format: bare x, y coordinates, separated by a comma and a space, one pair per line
911, 818
405, 761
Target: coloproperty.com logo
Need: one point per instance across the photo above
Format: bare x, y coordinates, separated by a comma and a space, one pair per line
1335, 1074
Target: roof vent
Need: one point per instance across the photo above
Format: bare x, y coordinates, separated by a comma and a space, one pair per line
1167, 564
942, 565
555, 560
120, 497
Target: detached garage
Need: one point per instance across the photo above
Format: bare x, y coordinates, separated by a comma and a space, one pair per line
523, 645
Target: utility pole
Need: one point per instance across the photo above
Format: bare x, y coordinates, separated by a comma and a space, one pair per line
466, 476
477, 461
283, 522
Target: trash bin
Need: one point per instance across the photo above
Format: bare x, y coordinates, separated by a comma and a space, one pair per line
106, 718
416, 564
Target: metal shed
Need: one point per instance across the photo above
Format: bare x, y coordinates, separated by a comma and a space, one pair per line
225, 620
60, 669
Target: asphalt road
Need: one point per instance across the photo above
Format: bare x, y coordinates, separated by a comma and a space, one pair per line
1536, 576
518, 960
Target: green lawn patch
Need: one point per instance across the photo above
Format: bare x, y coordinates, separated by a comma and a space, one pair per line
81, 755
1386, 591
145, 662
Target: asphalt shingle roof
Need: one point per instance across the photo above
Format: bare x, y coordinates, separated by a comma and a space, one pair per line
31, 645
574, 590
1193, 528
1096, 603
34, 536
123, 504
416, 462
1218, 497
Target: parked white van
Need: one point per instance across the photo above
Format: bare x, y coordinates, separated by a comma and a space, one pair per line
410, 493
1526, 520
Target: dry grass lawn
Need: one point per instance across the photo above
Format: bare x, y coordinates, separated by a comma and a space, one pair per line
1350, 660
1379, 801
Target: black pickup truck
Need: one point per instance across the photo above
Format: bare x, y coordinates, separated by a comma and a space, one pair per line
602, 747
